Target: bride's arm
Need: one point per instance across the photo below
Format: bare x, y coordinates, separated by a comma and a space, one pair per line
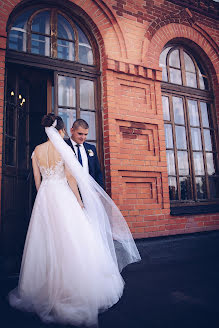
36, 172
74, 187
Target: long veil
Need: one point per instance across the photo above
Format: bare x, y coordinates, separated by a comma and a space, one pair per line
102, 213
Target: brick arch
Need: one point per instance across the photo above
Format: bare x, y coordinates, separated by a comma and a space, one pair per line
180, 17
98, 16
197, 40
173, 31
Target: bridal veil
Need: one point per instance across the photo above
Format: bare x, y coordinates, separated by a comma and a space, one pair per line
102, 213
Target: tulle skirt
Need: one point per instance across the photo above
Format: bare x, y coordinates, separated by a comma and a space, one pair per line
67, 275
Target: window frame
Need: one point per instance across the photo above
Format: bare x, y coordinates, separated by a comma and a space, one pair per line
169, 89
63, 66
182, 68
54, 12
77, 107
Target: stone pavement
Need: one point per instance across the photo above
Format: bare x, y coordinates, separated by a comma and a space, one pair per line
176, 285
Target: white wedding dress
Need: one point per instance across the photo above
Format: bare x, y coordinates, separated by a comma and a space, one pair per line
69, 273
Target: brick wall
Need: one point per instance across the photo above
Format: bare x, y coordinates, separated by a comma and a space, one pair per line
131, 36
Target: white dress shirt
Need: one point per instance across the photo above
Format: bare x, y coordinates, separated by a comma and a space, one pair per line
83, 154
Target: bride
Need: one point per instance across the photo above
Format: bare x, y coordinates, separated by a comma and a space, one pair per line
76, 244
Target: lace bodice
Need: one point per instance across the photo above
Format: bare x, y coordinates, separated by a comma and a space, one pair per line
52, 173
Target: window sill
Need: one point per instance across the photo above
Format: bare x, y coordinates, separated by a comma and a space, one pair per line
194, 209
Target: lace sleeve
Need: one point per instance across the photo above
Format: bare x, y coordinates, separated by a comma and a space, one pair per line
33, 154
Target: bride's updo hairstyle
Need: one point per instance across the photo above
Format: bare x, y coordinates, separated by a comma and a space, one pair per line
49, 119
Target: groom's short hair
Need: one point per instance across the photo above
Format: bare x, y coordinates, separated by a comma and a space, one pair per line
80, 123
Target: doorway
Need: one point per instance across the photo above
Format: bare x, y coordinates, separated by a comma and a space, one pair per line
28, 98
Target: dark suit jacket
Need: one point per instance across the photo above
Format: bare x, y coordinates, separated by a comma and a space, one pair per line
93, 162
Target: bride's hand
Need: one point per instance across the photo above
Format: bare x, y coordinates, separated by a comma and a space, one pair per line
82, 205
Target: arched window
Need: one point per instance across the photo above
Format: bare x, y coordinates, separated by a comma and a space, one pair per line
48, 38
50, 33
189, 130
179, 67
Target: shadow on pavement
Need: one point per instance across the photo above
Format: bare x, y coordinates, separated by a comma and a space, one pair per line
176, 285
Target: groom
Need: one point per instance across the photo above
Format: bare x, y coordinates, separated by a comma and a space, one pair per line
85, 152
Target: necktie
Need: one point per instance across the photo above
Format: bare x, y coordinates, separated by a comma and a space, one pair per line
79, 154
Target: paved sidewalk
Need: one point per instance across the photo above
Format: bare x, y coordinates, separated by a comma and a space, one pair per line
176, 285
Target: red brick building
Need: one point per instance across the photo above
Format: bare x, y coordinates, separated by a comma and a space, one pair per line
144, 74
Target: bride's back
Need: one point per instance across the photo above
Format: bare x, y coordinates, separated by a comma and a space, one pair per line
47, 156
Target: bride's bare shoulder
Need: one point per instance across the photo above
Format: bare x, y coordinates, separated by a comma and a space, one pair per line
41, 147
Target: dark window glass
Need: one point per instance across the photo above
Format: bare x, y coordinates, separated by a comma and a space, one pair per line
41, 23
185, 188
9, 151
40, 45
65, 30
18, 33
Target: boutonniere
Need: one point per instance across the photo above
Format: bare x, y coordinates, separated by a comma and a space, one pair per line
90, 152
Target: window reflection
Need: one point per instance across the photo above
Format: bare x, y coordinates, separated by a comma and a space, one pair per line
89, 117
196, 139
65, 36
173, 193
174, 59
191, 80
65, 30
175, 76
189, 134
207, 138
163, 57
40, 45
178, 110
166, 112
200, 187
66, 46
85, 50
183, 164
189, 65
180, 137
65, 50
66, 91
210, 163
84, 108
172, 68
204, 112
40, 42
18, 33
193, 113
168, 136
185, 188
41, 23
68, 116
87, 94
170, 162
198, 163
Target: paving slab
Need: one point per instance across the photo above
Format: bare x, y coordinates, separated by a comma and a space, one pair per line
176, 285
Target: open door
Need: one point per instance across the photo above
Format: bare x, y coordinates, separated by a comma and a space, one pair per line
26, 103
